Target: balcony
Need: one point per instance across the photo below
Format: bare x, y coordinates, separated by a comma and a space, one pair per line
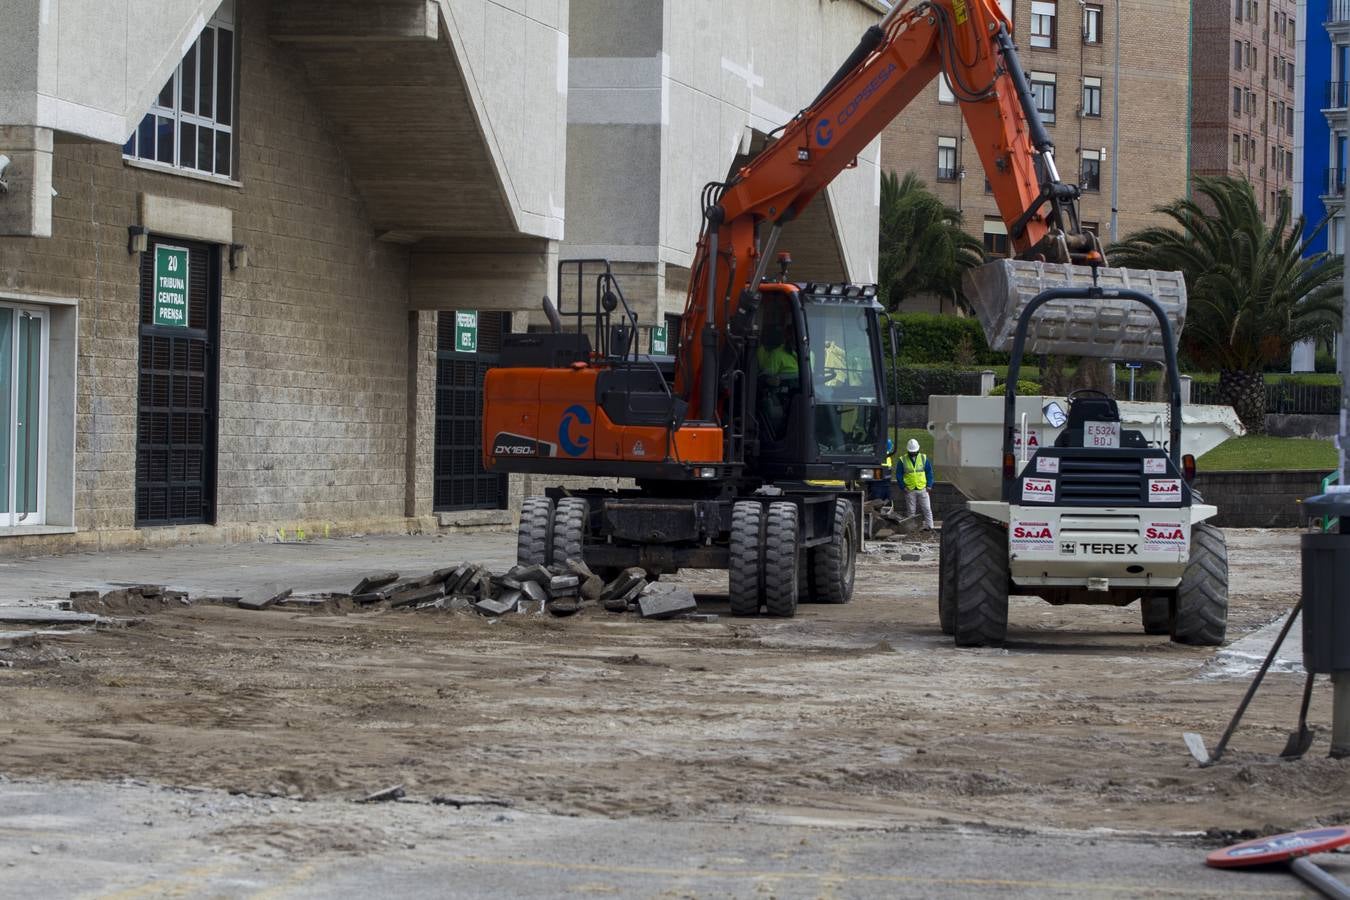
1334, 183
1338, 13
1337, 92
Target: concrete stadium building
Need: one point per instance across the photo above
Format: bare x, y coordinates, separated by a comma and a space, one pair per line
236, 238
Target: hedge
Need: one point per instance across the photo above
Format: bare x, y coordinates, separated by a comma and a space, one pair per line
930, 338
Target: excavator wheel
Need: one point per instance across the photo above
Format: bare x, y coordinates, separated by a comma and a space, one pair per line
746, 565
1202, 597
953, 526
781, 546
982, 585
1156, 612
535, 538
569, 529
832, 563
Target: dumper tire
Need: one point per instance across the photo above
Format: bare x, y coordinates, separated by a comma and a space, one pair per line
834, 562
745, 567
982, 585
781, 543
948, 543
569, 529
1156, 612
1201, 618
535, 538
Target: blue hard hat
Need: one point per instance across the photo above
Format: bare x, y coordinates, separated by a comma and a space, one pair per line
890, 445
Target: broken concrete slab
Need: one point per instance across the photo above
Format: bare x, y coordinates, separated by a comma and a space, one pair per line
565, 606
34, 615
371, 597
417, 595
564, 585
534, 592
264, 597
457, 602
374, 582
506, 603
536, 573
623, 583
394, 792
661, 601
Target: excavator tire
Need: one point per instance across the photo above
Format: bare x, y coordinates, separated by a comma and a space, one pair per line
746, 564
952, 527
1202, 597
833, 563
780, 560
1156, 612
534, 540
982, 584
569, 529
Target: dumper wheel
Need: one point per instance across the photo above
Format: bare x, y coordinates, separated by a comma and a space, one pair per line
982, 585
781, 543
1202, 597
535, 538
747, 554
569, 529
833, 562
952, 526
1156, 611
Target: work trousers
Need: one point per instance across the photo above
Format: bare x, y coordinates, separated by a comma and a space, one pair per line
921, 500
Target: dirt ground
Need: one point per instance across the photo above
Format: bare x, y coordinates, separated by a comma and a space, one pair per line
862, 714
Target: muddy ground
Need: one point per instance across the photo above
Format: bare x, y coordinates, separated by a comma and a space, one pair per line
861, 714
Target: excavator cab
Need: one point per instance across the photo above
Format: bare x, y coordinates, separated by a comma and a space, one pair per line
818, 395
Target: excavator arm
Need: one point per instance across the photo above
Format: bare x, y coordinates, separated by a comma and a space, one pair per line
968, 41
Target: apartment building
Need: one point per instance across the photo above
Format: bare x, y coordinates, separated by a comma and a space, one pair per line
1071, 52
1243, 94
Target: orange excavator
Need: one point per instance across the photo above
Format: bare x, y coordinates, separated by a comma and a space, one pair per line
741, 444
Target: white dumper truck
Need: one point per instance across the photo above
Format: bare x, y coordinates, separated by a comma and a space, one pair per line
1082, 499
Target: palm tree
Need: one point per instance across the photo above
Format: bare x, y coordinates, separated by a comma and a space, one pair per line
923, 249
1252, 290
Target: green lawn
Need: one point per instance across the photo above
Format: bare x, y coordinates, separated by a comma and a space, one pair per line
902, 436
1274, 453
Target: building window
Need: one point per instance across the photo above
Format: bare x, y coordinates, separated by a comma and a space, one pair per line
1237, 10
1007, 7
1043, 24
1289, 119
1278, 72
1290, 30
1337, 236
1252, 11
191, 123
1089, 227
1289, 72
1092, 170
945, 94
1092, 24
1289, 165
1251, 55
23, 415
1237, 149
1092, 96
1043, 93
1237, 55
1251, 101
995, 236
1237, 101
946, 167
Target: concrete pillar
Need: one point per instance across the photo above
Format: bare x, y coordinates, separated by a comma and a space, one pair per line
419, 486
986, 382
26, 191
1185, 389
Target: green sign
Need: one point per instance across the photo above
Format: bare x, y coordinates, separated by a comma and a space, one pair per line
466, 330
659, 339
171, 286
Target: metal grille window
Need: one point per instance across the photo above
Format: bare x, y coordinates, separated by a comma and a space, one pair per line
1043, 24
946, 159
1043, 93
191, 123
176, 412
1092, 24
1092, 97
461, 482
1092, 170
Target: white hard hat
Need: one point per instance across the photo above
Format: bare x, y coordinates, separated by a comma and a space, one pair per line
912, 446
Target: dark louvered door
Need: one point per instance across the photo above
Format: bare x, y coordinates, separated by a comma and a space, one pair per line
176, 412
461, 480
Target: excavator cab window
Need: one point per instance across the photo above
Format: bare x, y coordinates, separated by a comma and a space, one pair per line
777, 367
848, 408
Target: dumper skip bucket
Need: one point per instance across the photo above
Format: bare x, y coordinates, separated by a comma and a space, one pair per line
1097, 327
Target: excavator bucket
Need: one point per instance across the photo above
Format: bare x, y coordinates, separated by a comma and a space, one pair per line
1098, 327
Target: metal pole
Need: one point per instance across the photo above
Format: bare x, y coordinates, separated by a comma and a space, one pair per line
1115, 129
1340, 714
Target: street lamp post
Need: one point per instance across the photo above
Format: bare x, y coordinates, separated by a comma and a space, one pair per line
1115, 129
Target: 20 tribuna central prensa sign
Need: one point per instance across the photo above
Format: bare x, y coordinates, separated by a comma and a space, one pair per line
171, 286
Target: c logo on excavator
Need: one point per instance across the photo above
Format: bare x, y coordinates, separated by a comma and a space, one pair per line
574, 413
824, 133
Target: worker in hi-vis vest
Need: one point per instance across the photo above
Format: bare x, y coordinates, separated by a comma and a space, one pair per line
915, 474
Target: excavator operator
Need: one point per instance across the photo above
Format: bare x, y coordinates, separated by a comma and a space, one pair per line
778, 373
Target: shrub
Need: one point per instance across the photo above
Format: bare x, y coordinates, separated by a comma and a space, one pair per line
930, 338
1024, 388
